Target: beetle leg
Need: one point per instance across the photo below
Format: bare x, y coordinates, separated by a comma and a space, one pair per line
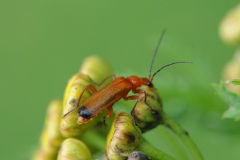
99, 84
110, 111
138, 90
93, 89
130, 97
133, 114
88, 86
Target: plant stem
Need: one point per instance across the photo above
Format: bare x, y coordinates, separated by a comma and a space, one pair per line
153, 153
183, 135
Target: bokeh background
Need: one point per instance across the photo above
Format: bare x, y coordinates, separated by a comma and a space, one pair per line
43, 43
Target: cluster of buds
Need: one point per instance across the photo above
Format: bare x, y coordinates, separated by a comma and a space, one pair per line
230, 34
69, 126
58, 133
64, 138
51, 137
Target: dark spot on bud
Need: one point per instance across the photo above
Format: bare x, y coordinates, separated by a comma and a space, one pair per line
72, 101
150, 96
186, 133
130, 137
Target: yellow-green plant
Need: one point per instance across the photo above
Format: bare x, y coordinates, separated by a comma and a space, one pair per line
64, 138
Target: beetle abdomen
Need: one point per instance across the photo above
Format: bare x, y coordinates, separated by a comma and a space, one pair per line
84, 112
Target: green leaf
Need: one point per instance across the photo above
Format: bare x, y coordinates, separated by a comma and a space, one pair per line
233, 82
232, 99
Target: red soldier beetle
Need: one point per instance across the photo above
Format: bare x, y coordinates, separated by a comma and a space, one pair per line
114, 91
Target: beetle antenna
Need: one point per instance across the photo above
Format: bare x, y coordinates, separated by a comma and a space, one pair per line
166, 66
69, 112
155, 52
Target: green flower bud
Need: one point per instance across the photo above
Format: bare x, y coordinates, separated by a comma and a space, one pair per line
148, 114
96, 68
69, 126
74, 149
148, 110
124, 137
51, 137
230, 27
137, 155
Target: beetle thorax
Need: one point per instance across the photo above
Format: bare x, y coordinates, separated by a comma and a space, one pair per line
138, 81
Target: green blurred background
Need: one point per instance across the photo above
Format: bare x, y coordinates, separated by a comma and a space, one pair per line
43, 43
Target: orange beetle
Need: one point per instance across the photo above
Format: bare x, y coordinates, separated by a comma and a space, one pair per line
113, 92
